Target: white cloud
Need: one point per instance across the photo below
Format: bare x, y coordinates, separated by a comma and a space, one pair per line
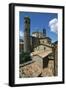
53, 24
21, 34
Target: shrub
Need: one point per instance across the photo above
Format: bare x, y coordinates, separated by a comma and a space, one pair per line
24, 57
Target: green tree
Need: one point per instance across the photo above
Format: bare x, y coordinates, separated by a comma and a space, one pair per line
24, 57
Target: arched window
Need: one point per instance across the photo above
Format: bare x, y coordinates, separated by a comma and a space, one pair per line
44, 48
26, 21
43, 41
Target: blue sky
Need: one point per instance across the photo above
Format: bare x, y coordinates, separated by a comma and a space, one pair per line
39, 21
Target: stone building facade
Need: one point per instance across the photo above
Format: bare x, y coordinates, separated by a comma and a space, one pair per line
37, 34
42, 47
56, 58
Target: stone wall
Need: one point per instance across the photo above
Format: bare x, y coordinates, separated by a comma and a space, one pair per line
56, 61
46, 65
38, 60
42, 48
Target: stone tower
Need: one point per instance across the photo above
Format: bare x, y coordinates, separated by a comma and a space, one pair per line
27, 34
44, 32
